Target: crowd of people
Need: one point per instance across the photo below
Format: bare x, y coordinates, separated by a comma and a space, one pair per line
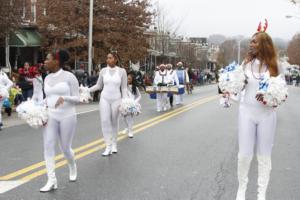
293, 79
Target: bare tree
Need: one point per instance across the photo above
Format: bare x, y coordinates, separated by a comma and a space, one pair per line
10, 20
10, 16
293, 50
118, 25
229, 51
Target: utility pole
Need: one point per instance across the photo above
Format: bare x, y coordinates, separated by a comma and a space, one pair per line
90, 37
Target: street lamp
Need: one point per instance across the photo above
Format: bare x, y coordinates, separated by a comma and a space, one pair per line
239, 51
90, 36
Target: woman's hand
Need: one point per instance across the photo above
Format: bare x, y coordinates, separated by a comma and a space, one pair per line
259, 97
59, 102
226, 94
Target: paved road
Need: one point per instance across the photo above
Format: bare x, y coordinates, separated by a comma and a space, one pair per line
186, 154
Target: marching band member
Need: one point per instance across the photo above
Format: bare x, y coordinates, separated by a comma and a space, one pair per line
161, 79
62, 94
257, 122
133, 93
173, 78
5, 84
113, 83
183, 79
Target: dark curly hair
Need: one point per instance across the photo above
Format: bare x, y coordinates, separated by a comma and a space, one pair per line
61, 55
134, 83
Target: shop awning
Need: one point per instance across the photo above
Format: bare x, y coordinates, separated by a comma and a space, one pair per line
25, 38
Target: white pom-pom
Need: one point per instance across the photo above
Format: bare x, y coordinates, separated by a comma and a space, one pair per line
84, 94
274, 90
34, 114
232, 79
3, 93
129, 107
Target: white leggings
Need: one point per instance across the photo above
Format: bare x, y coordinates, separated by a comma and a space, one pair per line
63, 130
161, 100
179, 99
38, 97
109, 113
129, 122
256, 127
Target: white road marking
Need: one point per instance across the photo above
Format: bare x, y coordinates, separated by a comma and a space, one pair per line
6, 186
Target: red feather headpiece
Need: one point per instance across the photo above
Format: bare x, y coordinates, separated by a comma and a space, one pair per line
264, 28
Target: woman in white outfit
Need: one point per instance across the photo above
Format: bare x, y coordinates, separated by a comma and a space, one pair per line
113, 83
133, 93
62, 94
257, 122
5, 84
37, 83
161, 79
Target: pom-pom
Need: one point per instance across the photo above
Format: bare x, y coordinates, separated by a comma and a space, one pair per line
36, 115
232, 79
84, 94
130, 107
273, 90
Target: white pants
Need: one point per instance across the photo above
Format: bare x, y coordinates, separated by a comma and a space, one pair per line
38, 97
62, 130
256, 127
161, 101
179, 99
109, 114
129, 122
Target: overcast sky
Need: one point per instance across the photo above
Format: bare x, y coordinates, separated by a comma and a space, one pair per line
201, 18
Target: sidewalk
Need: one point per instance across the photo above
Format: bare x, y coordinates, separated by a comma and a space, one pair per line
13, 120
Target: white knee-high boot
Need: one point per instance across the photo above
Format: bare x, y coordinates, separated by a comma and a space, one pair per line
108, 142
244, 163
52, 182
72, 169
264, 169
114, 148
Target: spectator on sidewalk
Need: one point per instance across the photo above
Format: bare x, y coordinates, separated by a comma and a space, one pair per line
82, 75
298, 79
26, 73
92, 81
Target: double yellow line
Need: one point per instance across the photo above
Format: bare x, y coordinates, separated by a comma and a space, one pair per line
31, 172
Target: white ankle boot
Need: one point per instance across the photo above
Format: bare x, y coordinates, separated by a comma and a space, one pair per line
52, 182
244, 163
264, 169
108, 151
114, 148
130, 133
72, 170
